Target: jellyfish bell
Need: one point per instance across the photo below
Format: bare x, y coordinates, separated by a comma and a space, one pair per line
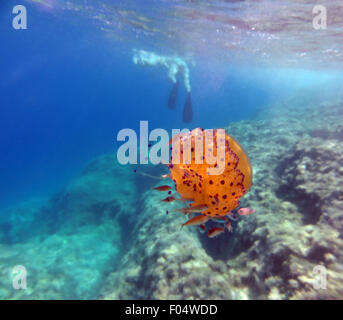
219, 193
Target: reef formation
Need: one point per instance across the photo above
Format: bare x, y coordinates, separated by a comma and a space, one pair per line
273, 254
107, 235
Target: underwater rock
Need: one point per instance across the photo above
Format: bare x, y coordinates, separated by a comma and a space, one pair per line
72, 241
187, 109
88, 199
269, 255
313, 177
62, 266
110, 227
296, 190
101, 191
163, 262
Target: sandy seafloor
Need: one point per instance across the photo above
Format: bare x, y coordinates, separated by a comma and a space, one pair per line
106, 235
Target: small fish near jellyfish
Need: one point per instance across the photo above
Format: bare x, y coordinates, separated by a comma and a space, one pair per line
213, 197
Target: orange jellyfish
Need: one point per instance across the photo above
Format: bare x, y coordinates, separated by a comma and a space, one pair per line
215, 192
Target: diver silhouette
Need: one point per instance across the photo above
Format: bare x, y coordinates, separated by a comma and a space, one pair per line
172, 100
176, 67
187, 109
187, 114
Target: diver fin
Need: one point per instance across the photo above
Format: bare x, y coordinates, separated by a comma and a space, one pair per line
172, 100
153, 177
187, 109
